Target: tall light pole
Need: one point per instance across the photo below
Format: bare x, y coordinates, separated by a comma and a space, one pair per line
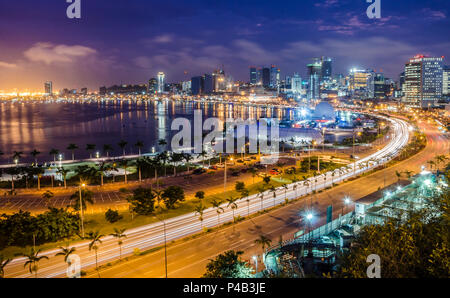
255, 259
81, 209
165, 243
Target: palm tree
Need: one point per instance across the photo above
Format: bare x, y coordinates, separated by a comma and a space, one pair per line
263, 241
203, 154
199, 210
156, 166
107, 148
139, 145
399, 175
261, 191
141, 162
39, 171
158, 195
66, 252
232, 203
33, 259
187, 158
35, 153
72, 148
124, 164
408, 173
90, 148
285, 190
95, 238
119, 234
431, 163
47, 196
17, 155
122, 145
86, 197
216, 204
63, 172
3, 263
163, 158
54, 152
162, 142
103, 167
254, 172
273, 190
174, 159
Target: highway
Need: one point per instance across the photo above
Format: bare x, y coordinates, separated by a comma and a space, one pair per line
152, 235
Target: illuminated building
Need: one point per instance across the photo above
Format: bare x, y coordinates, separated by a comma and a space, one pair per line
152, 86
48, 86
326, 68
361, 83
446, 82
423, 81
161, 77
253, 75
314, 75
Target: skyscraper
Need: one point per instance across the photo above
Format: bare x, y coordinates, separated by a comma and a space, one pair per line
327, 68
161, 77
361, 83
274, 77
423, 81
314, 74
446, 82
253, 75
296, 84
48, 86
152, 87
197, 85
265, 77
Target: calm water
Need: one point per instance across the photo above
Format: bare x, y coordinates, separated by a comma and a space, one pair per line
46, 125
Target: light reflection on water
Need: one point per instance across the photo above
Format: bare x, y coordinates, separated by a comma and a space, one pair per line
46, 125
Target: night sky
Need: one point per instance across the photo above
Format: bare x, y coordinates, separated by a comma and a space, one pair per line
118, 41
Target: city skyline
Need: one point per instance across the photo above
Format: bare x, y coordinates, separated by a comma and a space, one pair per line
138, 41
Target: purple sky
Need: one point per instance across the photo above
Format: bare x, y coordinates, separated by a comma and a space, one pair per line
130, 41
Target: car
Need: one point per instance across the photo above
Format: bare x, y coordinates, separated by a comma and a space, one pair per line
199, 171
235, 174
213, 167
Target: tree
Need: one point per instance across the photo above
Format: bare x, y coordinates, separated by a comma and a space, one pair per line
187, 158
17, 155
175, 158
219, 209
254, 173
228, 265
232, 204
139, 145
266, 180
66, 252
413, 244
122, 144
90, 148
72, 148
47, 196
33, 259
263, 241
3, 263
107, 148
261, 191
63, 172
273, 190
119, 234
142, 201
200, 195
124, 164
239, 186
199, 210
102, 169
172, 195
112, 216
203, 154
54, 152
163, 157
95, 238
86, 197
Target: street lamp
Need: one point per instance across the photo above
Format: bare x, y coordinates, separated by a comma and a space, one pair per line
255, 259
347, 202
165, 243
81, 209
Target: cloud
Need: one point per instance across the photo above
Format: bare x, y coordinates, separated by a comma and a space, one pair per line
434, 15
327, 3
165, 38
7, 65
49, 53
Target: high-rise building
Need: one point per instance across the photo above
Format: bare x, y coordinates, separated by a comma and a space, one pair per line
161, 77
253, 75
152, 86
197, 85
265, 77
48, 86
362, 84
83, 91
423, 81
296, 84
208, 84
274, 77
446, 81
380, 87
219, 81
314, 75
327, 68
